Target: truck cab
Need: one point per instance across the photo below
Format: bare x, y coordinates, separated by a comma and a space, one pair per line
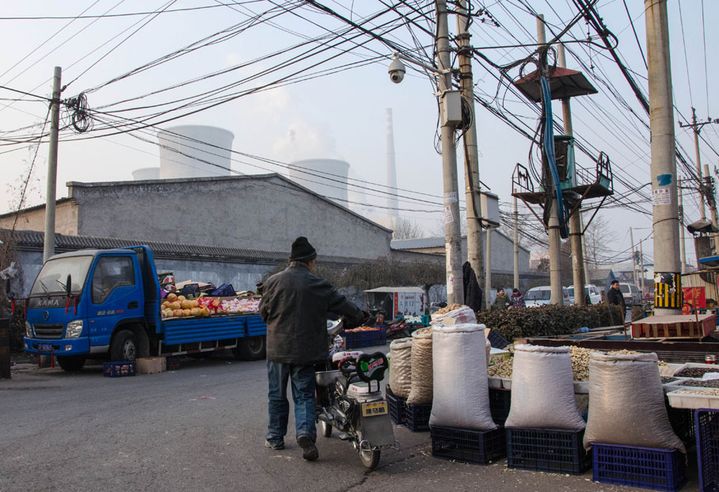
90, 302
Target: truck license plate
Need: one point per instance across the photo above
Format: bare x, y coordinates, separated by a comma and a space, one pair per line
374, 408
45, 347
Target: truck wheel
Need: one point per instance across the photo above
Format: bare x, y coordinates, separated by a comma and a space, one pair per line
71, 364
252, 348
124, 346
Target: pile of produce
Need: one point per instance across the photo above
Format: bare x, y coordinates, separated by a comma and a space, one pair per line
363, 329
548, 320
709, 383
447, 309
697, 392
237, 306
695, 372
176, 306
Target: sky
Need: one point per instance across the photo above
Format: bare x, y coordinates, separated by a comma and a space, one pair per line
340, 114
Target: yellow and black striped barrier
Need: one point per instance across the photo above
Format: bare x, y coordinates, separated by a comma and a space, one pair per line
668, 290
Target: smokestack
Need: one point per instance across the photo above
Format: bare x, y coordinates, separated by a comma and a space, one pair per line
391, 172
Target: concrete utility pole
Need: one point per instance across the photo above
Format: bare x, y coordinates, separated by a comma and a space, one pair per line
555, 240
682, 231
641, 265
634, 258
711, 200
488, 267
516, 244
667, 278
696, 128
471, 154
575, 220
452, 235
48, 248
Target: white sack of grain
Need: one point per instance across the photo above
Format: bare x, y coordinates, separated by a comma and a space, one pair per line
463, 315
400, 373
626, 402
421, 391
461, 389
543, 389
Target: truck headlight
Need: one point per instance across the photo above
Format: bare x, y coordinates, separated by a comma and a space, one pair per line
28, 330
74, 329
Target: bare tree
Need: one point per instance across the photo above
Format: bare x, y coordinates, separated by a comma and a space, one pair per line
597, 241
407, 229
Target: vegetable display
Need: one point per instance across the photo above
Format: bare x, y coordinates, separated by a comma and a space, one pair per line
175, 306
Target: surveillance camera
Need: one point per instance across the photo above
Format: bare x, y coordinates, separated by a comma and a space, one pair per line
396, 70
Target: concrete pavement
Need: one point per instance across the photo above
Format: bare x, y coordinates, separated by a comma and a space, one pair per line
201, 428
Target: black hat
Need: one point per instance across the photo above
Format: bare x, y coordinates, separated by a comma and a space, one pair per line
302, 250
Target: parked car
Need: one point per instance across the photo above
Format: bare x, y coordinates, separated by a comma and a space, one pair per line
632, 294
540, 296
591, 292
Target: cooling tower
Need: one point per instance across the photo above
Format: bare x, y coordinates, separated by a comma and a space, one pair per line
326, 177
194, 151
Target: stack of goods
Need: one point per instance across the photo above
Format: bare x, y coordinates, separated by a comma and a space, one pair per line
240, 305
544, 427
419, 400
461, 423
628, 423
176, 306
400, 378
365, 336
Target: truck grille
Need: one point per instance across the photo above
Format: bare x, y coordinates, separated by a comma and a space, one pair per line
49, 331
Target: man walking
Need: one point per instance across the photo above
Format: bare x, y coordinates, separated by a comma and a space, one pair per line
295, 303
615, 296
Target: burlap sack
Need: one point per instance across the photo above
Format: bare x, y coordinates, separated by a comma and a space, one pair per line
400, 371
626, 402
543, 389
461, 387
459, 316
421, 392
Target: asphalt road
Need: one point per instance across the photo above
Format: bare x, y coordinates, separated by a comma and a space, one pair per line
202, 428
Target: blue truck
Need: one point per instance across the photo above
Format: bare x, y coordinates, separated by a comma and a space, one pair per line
106, 304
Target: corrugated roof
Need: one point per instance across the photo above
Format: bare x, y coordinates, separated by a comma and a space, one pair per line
34, 240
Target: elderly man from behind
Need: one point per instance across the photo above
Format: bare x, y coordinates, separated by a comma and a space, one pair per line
295, 303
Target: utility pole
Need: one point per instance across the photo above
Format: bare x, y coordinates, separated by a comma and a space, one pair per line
555, 240
452, 235
641, 265
667, 278
471, 154
48, 248
696, 129
711, 198
682, 231
575, 220
516, 244
634, 257
488, 267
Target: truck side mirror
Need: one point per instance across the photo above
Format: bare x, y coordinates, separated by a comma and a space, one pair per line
68, 285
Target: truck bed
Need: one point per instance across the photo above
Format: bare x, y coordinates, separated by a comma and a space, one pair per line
179, 331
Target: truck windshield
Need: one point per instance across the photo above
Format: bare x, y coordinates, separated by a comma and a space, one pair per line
538, 295
52, 277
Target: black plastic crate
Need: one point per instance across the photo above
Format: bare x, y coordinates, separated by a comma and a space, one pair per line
363, 339
649, 468
118, 368
499, 403
549, 450
468, 445
416, 417
682, 424
707, 438
397, 407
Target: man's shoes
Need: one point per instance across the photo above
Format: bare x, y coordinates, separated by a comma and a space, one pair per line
276, 445
309, 450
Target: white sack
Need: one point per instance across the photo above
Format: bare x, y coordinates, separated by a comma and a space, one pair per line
463, 315
400, 373
461, 386
421, 392
626, 402
543, 389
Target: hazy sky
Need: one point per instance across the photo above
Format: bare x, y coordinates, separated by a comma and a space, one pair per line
341, 115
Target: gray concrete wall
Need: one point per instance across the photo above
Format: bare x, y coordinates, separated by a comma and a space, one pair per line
261, 213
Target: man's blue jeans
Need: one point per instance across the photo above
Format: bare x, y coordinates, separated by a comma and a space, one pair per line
303, 394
